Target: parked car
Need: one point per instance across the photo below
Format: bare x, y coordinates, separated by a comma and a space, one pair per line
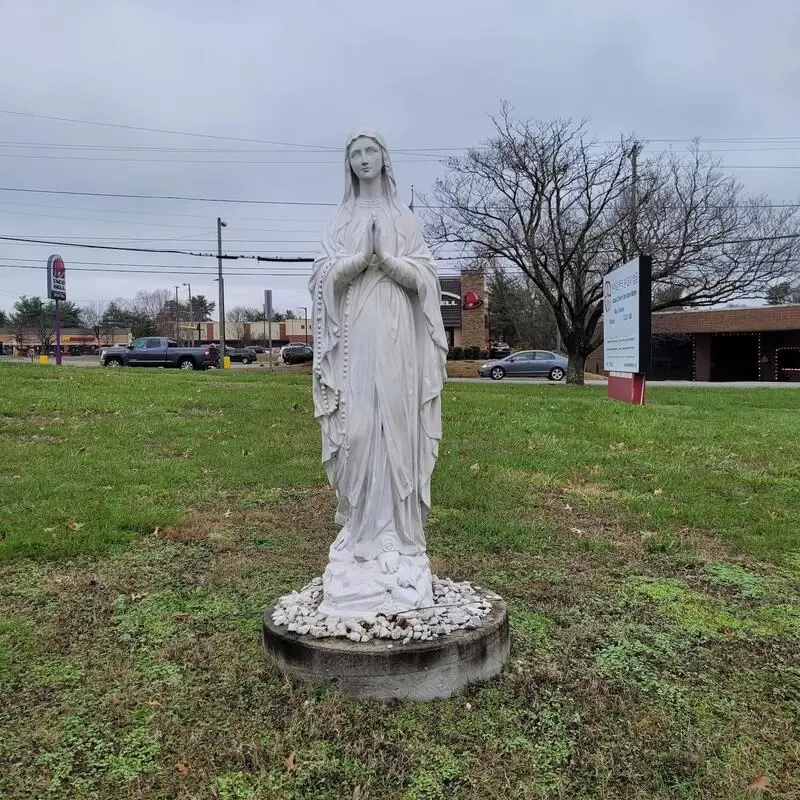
499, 350
296, 354
245, 355
159, 351
526, 364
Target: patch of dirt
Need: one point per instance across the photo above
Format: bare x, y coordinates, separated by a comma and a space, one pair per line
463, 369
298, 512
34, 419
34, 438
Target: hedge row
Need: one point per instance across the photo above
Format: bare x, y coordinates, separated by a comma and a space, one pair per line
466, 353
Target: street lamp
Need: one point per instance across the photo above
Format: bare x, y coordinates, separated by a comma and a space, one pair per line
305, 318
191, 311
177, 318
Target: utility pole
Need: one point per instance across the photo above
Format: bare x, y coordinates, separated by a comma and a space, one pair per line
268, 323
305, 318
177, 318
635, 150
220, 226
191, 311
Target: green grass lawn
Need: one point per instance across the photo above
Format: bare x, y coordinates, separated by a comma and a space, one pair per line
649, 556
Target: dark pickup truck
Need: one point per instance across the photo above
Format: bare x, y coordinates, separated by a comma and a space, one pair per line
159, 351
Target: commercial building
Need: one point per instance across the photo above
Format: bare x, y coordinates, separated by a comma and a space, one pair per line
465, 310
732, 344
464, 304
247, 333
74, 341
465, 313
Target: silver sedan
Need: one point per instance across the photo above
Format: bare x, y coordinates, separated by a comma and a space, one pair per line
526, 364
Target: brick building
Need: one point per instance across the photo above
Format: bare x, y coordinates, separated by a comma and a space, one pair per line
465, 310
733, 344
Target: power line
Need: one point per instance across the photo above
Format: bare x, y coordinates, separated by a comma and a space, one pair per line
283, 273
171, 225
760, 166
108, 247
164, 197
744, 240
158, 267
160, 130
16, 203
328, 148
281, 162
51, 117
200, 237
733, 139
94, 263
149, 149
172, 271
268, 202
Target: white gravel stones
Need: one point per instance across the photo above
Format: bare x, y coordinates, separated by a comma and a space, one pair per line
457, 606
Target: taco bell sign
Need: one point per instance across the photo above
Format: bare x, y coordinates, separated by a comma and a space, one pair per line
56, 278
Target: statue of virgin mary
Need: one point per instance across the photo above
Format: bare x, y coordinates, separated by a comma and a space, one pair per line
379, 366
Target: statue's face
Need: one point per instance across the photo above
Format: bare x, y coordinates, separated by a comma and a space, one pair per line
366, 159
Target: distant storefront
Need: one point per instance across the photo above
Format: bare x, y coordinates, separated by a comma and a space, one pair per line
465, 310
741, 344
74, 341
465, 313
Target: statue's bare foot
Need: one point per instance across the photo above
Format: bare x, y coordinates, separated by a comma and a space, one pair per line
389, 562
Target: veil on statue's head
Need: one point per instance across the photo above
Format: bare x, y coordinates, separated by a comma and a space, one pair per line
387, 173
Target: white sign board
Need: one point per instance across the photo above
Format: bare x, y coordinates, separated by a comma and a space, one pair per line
623, 302
56, 278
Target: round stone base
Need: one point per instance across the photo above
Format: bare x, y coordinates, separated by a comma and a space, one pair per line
382, 670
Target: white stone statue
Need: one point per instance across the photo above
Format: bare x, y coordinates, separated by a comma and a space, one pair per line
379, 366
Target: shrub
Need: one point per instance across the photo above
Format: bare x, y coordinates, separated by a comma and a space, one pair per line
457, 354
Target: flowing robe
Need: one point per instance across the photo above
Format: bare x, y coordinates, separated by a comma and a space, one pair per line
379, 365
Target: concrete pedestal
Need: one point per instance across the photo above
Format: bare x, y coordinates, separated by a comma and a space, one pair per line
383, 670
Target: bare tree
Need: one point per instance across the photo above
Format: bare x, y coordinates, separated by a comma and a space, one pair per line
710, 242
92, 315
544, 199
154, 307
236, 318
518, 314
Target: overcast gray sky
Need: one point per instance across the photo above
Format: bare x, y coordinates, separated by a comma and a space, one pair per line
426, 74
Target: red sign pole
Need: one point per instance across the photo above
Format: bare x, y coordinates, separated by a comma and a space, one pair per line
629, 387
